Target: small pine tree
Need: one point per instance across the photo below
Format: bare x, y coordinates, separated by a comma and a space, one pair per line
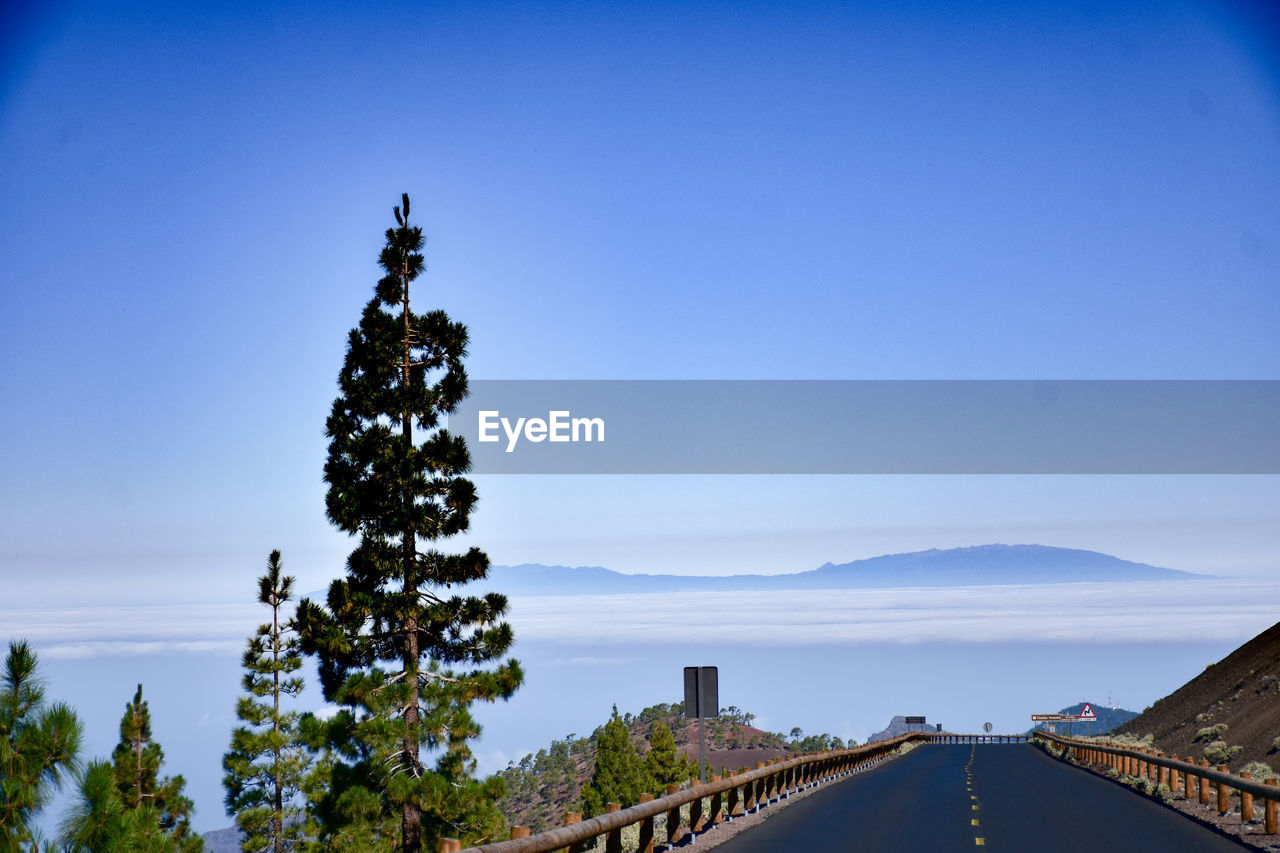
136, 767
620, 775
266, 764
664, 763
38, 746
101, 822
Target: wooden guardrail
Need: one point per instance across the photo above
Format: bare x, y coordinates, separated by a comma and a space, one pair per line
1194, 779
729, 798
948, 737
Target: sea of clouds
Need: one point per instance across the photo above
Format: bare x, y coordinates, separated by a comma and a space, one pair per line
1066, 612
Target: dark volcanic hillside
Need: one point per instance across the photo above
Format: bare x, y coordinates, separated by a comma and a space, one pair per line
545, 785
1235, 701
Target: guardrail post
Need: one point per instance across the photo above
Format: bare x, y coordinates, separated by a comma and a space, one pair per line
448, 845
520, 832
1174, 780
753, 791
674, 833
735, 801
1246, 800
1204, 785
1271, 811
645, 844
697, 822
717, 802
570, 818
613, 838
1224, 793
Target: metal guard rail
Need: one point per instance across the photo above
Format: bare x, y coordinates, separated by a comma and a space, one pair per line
821, 765
1195, 778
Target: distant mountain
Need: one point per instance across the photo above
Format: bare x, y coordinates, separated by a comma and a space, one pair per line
980, 565
1233, 701
1108, 719
223, 840
898, 726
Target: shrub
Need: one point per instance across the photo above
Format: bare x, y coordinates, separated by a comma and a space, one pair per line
1211, 732
1258, 770
1219, 752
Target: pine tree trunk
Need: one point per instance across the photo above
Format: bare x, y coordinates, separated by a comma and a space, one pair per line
411, 827
277, 823
137, 751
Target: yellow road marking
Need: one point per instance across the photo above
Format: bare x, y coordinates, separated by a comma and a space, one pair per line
980, 842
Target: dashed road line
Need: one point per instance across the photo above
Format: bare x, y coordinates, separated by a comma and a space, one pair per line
978, 840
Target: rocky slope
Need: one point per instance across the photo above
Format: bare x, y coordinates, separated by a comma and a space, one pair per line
1233, 703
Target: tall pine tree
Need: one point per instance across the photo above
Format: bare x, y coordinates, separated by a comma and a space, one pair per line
266, 765
405, 655
38, 746
136, 771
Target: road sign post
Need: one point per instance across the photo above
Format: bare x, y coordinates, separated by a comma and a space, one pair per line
701, 701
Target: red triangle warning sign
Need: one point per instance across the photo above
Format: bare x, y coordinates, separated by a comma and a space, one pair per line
1088, 713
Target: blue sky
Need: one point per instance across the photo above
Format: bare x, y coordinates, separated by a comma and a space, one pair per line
193, 199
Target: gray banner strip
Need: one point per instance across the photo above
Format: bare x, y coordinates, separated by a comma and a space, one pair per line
872, 427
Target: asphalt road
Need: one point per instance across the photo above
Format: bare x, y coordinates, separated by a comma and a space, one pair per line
956, 797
